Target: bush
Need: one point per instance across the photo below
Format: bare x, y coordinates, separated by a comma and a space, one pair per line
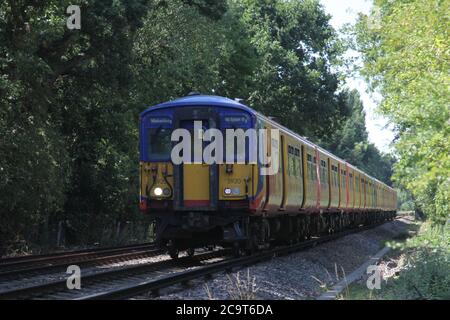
426, 269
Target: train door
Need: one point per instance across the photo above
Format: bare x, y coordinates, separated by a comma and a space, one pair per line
334, 184
311, 185
274, 182
322, 162
357, 190
351, 189
294, 176
196, 174
342, 186
283, 160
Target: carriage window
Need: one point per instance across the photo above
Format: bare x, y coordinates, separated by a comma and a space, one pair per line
311, 166
323, 172
294, 162
335, 175
159, 143
298, 167
343, 174
291, 161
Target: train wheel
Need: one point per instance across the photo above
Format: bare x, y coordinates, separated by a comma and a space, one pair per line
190, 252
238, 251
173, 252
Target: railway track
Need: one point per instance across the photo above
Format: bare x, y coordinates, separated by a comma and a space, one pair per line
27, 266
151, 277
155, 285
108, 281
42, 257
135, 280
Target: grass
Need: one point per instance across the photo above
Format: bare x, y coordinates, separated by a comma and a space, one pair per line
242, 289
417, 268
239, 288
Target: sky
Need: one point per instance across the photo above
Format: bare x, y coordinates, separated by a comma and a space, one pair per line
346, 11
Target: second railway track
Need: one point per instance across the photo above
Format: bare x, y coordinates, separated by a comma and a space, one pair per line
155, 285
151, 277
107, 281
18, 268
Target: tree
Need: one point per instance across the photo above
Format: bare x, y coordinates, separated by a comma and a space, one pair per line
405, 57
296, 47
351, 141
68, 134
70, 99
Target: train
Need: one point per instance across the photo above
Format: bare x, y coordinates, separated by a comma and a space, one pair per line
241, 204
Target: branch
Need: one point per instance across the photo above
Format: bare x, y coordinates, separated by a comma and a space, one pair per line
65, 67
58, 47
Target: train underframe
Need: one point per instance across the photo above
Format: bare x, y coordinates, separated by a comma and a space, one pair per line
246, 233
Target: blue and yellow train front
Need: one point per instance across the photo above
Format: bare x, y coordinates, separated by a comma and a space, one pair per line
194, 204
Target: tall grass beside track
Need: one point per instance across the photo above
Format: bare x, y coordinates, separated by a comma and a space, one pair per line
416, 268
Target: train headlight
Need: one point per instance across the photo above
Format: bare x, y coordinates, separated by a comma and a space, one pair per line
166, 192
158, 191
231, 191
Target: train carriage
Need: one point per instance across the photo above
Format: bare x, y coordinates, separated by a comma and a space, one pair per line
235, 202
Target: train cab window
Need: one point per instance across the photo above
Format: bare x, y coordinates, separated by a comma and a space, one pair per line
159, 143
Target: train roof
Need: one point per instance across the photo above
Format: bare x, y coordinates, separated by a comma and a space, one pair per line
208, 100
201, 100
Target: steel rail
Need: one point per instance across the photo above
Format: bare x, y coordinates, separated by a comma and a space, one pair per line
24, 261
131, 290
84, 261
56, 287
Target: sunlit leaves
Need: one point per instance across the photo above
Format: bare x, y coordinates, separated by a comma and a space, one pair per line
407, 60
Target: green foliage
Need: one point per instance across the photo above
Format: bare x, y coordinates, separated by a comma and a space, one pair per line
179, 50
427, 263
296, 47
70, 99
63, 109
418, 268
404, 200
350, 141
406, 59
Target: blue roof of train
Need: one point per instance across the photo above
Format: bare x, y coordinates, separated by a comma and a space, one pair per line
201, 100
